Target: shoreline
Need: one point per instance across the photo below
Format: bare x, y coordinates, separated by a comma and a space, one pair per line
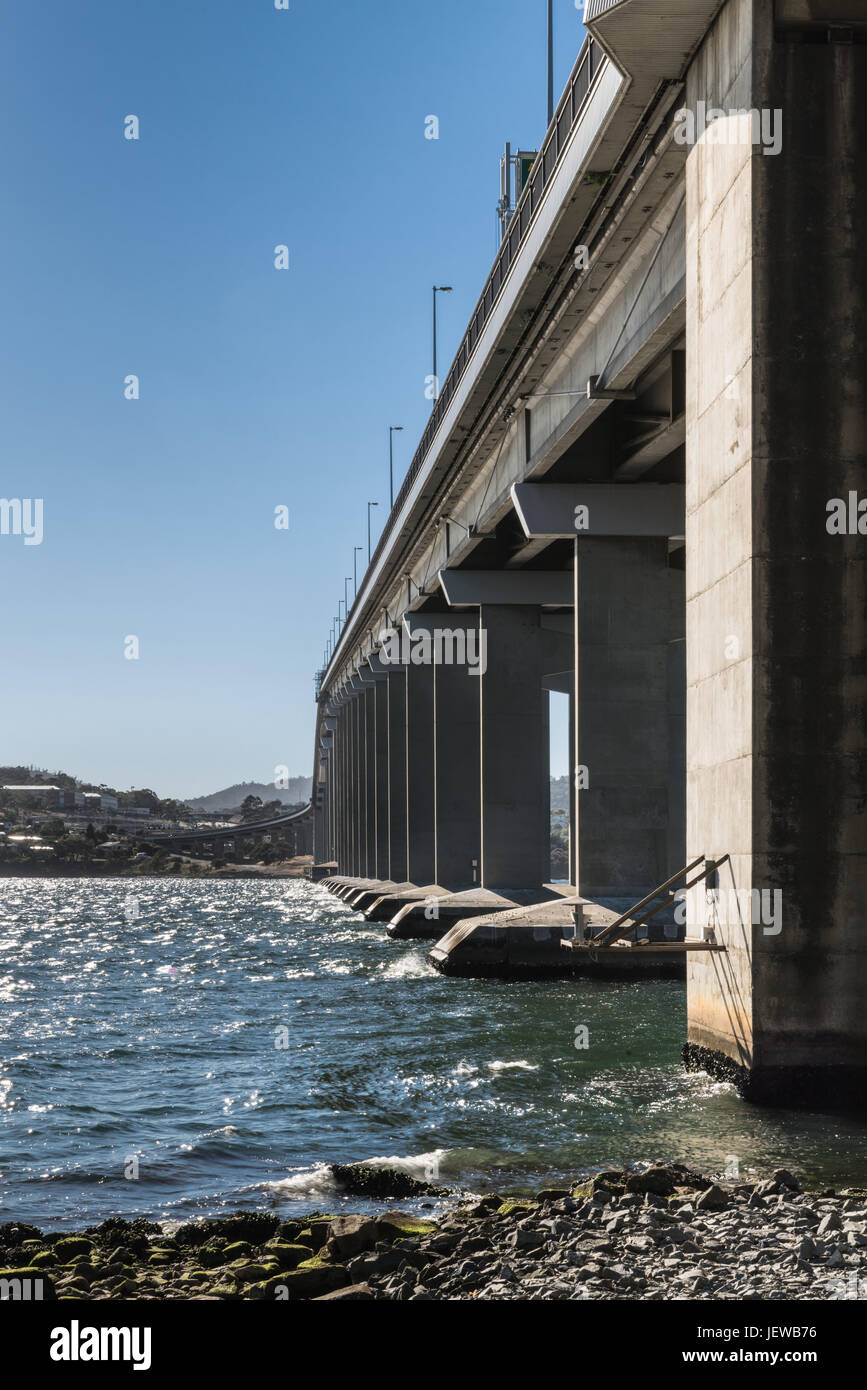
282, 869
662, 1232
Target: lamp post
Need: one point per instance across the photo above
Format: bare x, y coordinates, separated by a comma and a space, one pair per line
550, 61
355, 568
347, 580
369, 505
391, 433
437, 289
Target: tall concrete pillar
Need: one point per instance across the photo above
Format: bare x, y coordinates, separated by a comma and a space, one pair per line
629, 716
396, 707
359, 808
380, 704
776, 596
420, 834
340, 796
457, 770
352, 788
368, 699
515, 753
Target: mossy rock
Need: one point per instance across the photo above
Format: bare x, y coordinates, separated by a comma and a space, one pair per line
310, 1279
289, 1231
210, 1256
286, 1256
251, 1273
235, 1251
158, 1261
72, 1246
404, 1227
510, 1205
365, 1181
225, 1291
30, 1280
43, 1258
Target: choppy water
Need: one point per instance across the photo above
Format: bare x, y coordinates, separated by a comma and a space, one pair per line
160, 1039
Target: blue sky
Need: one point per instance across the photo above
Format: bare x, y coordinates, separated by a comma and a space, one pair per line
259, 388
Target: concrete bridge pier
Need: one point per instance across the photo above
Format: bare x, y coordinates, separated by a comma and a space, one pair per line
396, 744
777, 590
420, 799
628, 827
456, 774
515, 746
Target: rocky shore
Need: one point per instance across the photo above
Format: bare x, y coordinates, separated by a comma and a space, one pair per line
661, 1232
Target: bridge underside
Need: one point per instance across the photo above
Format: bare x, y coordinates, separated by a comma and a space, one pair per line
638, 516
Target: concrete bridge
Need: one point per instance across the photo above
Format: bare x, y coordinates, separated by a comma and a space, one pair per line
294, 831
626, 492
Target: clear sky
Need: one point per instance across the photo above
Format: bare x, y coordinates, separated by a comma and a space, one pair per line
258, 387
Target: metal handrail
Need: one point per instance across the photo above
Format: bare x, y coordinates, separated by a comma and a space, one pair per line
563, 123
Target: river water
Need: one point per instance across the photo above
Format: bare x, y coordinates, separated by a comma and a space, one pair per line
173, 1049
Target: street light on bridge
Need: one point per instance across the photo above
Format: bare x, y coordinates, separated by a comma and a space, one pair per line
355, 568
550, 61
437, 289
369, 505
391, 433
347, 580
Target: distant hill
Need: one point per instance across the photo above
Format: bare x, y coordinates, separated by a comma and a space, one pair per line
559, 793
298, 791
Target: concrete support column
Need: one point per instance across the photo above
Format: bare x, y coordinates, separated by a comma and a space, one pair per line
630, 742
457, 771
396, 706
380, 703
368, 701
420, 835
777, 591
340, 796
515, 798
357, 809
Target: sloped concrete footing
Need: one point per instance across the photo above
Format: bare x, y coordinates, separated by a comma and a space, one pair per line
429, 919
527, 941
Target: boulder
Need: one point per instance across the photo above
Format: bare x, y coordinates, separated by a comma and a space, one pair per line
286, 1256
310, 1280
658, 1181
784, 1178
353, 1293
713, 1199
70, 1246
349, 1235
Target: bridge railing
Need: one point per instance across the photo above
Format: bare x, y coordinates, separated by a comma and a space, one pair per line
562, 124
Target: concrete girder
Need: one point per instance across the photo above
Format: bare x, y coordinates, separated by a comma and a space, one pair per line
469, 588
547, 511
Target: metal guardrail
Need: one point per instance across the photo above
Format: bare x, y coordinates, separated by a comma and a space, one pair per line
594, 8
562, 124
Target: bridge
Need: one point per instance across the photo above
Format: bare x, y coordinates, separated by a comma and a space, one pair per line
639, 487
294, 831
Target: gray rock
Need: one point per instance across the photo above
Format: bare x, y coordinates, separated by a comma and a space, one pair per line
713, 1199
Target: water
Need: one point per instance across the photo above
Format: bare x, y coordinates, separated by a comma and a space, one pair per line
156, 1040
